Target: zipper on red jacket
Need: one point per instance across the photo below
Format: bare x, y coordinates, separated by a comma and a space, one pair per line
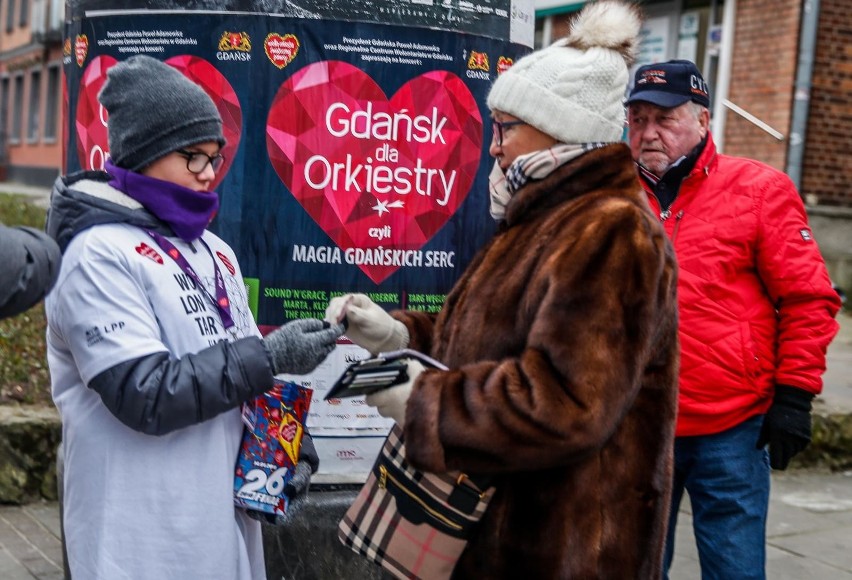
678, 217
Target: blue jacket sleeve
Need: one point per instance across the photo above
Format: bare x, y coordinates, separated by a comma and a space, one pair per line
30, 266
155, 394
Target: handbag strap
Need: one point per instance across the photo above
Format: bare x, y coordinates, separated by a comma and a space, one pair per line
468, 492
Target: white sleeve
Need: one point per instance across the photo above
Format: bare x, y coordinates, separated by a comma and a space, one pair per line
103, 315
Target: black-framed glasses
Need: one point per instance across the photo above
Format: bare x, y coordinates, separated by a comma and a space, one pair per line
196, 161
498, 127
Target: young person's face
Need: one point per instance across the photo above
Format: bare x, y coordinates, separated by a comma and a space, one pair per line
175, 167
658, 137
518, 139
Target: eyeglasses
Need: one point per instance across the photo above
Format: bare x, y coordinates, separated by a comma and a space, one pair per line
196, 161
497, 128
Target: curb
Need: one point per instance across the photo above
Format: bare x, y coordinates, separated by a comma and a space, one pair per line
30, 436
831, 443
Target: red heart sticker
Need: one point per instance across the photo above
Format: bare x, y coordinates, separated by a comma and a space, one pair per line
503, 64
380, 176
281, 50
224, 259
144, 249
92, 119
81, 48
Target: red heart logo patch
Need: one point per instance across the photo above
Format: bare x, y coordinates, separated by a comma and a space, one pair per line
380, 176
81, 48
281, 50
92, 119
224, 259
144, 249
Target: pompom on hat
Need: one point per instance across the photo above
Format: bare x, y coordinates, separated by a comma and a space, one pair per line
574, 89
154, 110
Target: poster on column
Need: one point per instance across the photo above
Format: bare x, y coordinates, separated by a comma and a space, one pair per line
356, 156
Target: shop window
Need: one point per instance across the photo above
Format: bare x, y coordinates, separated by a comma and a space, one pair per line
34, 110
51, 112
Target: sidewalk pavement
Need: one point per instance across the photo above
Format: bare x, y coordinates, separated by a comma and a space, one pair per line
809, 531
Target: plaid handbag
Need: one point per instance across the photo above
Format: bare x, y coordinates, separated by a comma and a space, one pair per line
413, 524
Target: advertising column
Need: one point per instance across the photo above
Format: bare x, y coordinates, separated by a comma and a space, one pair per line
356, 157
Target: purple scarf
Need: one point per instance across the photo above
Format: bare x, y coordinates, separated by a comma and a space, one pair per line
187, 212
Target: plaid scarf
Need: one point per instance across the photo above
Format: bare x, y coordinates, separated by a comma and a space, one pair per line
532, 166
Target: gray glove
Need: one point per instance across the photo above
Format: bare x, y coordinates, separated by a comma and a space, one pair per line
299, 346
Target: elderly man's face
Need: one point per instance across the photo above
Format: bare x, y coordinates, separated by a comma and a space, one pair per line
659, 137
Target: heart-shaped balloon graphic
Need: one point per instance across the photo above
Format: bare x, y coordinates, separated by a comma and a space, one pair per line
92, 119
380, 176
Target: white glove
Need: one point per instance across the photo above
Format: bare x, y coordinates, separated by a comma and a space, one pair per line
391, 402
368, 325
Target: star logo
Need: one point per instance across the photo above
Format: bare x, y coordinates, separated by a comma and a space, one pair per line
383, 207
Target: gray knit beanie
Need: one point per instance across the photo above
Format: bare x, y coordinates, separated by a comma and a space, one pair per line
574, 89
154, 110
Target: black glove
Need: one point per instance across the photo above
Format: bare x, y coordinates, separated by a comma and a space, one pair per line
787, 425
300, 345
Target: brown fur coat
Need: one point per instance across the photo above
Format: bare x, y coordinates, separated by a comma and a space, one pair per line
561, 338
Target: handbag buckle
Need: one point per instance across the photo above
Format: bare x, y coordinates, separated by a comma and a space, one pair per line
463, 479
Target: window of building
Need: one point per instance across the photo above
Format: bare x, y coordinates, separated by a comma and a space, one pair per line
10, 15
34, 110
24, 12
4, 116
17, 110
51, 112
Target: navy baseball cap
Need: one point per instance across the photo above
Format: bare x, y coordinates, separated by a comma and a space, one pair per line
669, 84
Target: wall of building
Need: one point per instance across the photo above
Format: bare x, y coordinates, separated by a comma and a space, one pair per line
827, 166
762, 78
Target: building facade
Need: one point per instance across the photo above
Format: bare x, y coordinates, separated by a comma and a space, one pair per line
31, 90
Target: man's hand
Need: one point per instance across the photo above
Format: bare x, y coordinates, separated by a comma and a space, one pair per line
787, 425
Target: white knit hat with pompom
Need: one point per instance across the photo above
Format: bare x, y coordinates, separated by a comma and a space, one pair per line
573, 90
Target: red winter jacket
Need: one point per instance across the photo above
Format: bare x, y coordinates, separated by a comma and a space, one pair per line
756, 305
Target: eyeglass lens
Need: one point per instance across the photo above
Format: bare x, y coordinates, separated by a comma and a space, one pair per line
499, 126
196, 161
497, 130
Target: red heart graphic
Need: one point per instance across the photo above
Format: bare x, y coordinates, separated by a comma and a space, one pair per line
379, 176
81, 48
144, 249
92, 119
227, 263
281, 50
288, 432
503, 64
